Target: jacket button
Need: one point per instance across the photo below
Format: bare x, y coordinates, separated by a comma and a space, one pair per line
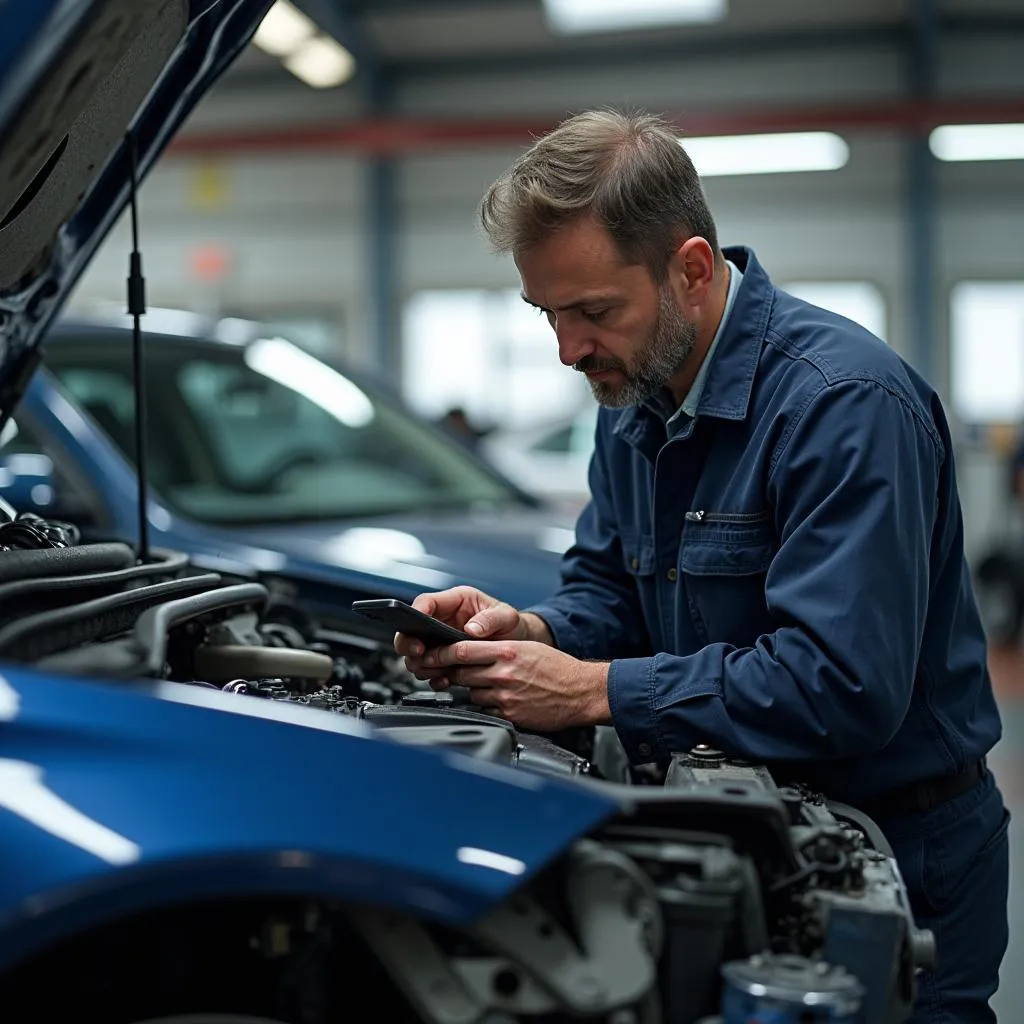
672, 575
635, 563
644, 749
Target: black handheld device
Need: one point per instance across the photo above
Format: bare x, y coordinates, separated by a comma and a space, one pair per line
403, 618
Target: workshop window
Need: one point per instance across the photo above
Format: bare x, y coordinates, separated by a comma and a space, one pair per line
859, 301
986, 330
488, 352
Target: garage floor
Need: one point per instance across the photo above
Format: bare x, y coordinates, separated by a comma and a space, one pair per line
1007, 762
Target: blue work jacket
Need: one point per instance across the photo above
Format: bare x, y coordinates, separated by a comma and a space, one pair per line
784, 579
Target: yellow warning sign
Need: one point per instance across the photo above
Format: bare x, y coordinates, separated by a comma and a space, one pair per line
208, 185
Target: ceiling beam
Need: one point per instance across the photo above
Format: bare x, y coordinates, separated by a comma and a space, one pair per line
588, 56
666, 47
399, 7
981, 24
621, 52
399, 136
342, 19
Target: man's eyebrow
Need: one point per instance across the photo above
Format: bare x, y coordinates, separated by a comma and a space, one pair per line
587, 300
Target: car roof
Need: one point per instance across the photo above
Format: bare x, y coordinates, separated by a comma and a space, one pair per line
111, 332
116, 332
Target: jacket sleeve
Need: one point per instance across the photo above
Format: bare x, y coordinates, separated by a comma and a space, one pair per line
596, 614
854, 488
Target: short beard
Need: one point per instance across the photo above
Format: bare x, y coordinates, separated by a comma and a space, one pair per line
670, 344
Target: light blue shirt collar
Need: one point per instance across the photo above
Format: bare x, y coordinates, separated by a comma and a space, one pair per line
661, 403
692, 398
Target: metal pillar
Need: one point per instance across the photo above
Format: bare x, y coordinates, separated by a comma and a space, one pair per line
382, 230
381, 227
922, 202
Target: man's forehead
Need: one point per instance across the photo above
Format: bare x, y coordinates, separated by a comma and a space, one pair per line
581, 242
568, 267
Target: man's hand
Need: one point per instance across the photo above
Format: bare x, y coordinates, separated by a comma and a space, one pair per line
528, 683
475, 613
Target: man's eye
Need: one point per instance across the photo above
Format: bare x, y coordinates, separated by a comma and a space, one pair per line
595, 314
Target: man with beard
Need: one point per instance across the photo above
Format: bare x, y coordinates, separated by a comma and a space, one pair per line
772, 558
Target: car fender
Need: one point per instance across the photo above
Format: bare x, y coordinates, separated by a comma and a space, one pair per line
119, 798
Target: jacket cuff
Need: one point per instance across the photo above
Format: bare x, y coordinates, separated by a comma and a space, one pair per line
631, 700
658, 704
568, 638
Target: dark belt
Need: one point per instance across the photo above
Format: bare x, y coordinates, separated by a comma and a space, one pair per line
919, 797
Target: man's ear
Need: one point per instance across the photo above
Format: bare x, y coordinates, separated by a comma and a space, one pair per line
691, 274
692, 271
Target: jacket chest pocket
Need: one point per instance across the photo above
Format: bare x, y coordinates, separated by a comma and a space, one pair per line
724, 559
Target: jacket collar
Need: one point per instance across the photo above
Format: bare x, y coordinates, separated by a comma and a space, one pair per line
730, 377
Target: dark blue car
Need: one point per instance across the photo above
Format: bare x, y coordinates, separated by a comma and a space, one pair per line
217, 807
263, 457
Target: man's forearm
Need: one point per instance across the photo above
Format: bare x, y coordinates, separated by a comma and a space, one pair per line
536, 629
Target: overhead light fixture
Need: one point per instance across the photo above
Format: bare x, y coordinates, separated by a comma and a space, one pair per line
321, 63
779, 153
569, 16
957, 142
313, 56
283, 30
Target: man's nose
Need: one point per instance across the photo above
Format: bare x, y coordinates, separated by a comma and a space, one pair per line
573, 343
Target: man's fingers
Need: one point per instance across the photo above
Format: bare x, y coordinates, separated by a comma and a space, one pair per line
473, 676
494, 621
468, 652
486, 697
408, 645
425, 673
426, 603
446, 605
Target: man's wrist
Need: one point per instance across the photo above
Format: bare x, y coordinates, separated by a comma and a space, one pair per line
597, 710
534, 628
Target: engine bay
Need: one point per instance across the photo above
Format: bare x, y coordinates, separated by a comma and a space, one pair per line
715, 890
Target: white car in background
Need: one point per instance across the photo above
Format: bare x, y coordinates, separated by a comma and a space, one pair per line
549, 461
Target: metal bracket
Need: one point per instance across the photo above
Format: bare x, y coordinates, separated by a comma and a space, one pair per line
615, 910
420, 969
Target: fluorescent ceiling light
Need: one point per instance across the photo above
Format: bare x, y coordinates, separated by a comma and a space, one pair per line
767, 154
978, 142
321, 63
609, 15
283, 30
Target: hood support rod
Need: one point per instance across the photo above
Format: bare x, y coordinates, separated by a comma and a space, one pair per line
136, 308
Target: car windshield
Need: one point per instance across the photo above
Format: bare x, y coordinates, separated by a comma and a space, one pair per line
266, 432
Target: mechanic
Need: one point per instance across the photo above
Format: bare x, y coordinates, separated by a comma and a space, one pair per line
771, 561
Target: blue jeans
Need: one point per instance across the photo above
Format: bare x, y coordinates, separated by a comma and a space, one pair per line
955, 863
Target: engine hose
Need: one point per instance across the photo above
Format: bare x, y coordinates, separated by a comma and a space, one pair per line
234, 661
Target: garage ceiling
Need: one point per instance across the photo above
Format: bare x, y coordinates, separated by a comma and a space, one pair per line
435, 37
416, 32
400, 44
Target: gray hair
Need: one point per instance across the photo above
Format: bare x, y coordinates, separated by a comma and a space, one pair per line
627, 170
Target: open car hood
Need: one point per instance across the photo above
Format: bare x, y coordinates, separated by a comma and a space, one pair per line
75, 77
